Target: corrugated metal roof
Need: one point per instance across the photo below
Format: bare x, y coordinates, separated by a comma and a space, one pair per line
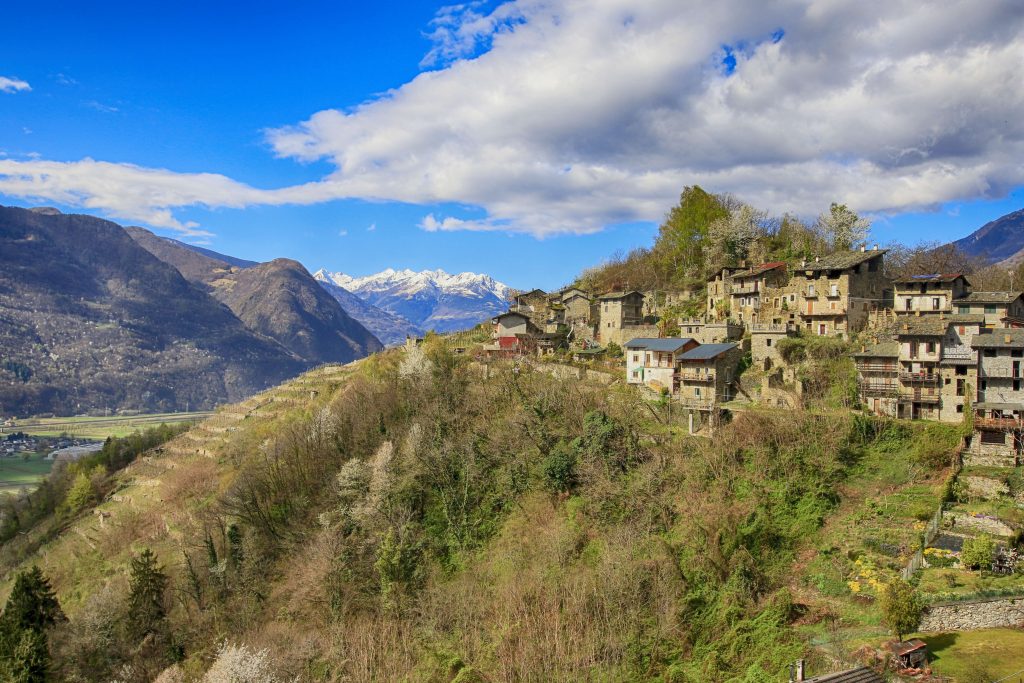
666, 344
706, 351
861, 674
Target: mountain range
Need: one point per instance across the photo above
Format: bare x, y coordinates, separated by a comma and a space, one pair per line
430, 299
1001, 240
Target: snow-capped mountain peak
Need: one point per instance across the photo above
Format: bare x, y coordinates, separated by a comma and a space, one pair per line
433, 299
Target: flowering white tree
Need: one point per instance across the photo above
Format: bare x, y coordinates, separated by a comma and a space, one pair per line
239, 664
843, 228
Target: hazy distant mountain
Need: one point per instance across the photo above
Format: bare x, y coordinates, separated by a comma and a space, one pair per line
91, 320
432, 299
278, 299
998, 240
391, 329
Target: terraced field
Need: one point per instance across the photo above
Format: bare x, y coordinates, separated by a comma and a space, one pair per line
101, 427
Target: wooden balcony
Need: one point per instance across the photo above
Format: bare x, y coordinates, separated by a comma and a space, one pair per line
878, 367
695, 376
999, 423
879, 388
922, 378
919, 397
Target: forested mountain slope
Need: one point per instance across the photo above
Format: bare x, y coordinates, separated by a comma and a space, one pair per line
408, 518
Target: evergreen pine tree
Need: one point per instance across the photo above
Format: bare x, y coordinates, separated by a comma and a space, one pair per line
146, 611
31, 610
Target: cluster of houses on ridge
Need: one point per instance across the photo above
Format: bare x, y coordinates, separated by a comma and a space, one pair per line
937, 349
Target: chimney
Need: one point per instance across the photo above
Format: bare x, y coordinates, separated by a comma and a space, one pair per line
803, 263
863, 247
874, 248
1006, 339
816, 259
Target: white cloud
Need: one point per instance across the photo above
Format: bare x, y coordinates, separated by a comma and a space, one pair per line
372, 227
557, 116
343, 233
100, 107
10, 85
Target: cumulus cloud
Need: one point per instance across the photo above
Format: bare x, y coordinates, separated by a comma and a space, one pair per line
557, 116
10, 85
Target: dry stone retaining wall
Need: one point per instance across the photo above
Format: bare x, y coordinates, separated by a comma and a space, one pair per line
974, 615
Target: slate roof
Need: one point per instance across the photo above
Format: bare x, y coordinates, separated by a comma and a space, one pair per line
989, 298
880, 350
759, 270
841, 260
994, 405
859, 675
707, 351
929, 277
934, 325
665, 344
999, 339
618, 295
509, 314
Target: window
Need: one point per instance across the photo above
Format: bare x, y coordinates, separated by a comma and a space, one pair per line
792, 298
1016, 385
872, 265
990, 353
636, 374
960, 384
768, 342
984, 384
961, 329
929, 347
993, 437
960, 408
810, 290
964, 309
696, 392
909, 304
961, 370
834, 290
636, 357
990, 309
1017, 353
935, 303
948, 380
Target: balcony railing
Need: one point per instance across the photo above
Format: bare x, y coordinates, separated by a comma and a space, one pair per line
919, 397
696, 376
877, 367
919, 378
879, 388
999, 422
958, 353
745, 289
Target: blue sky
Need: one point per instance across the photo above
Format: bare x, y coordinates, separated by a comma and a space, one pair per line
497, 138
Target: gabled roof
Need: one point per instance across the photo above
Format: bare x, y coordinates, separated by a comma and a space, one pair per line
1012, 337
861, 674
510, 314
707, 351
619, 295
759, 270
989, 298
879, 350
727, 270
665, 344
840, 260
934, 325
929, 277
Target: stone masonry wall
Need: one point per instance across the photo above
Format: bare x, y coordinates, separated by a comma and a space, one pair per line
974, 615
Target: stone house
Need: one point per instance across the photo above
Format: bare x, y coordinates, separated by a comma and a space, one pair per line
878, 371
533, 301
929, 294
617, 310
655, 362
836, 293
719, 289
764, 343
935, 376
706, 375
577, 305
748, 288
1001, 309
710, 332
512, 323
999, 410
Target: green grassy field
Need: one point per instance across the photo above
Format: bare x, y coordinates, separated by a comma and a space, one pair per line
17, 473
101, 427
992, 653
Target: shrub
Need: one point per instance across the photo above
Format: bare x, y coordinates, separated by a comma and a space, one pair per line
901, 608
560, 468
978, 553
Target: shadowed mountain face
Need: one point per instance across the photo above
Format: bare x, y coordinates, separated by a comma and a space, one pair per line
998, 240
278, 299
91, 320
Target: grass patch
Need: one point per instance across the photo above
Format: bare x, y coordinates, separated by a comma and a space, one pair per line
997, 652
100, 428
17, 473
